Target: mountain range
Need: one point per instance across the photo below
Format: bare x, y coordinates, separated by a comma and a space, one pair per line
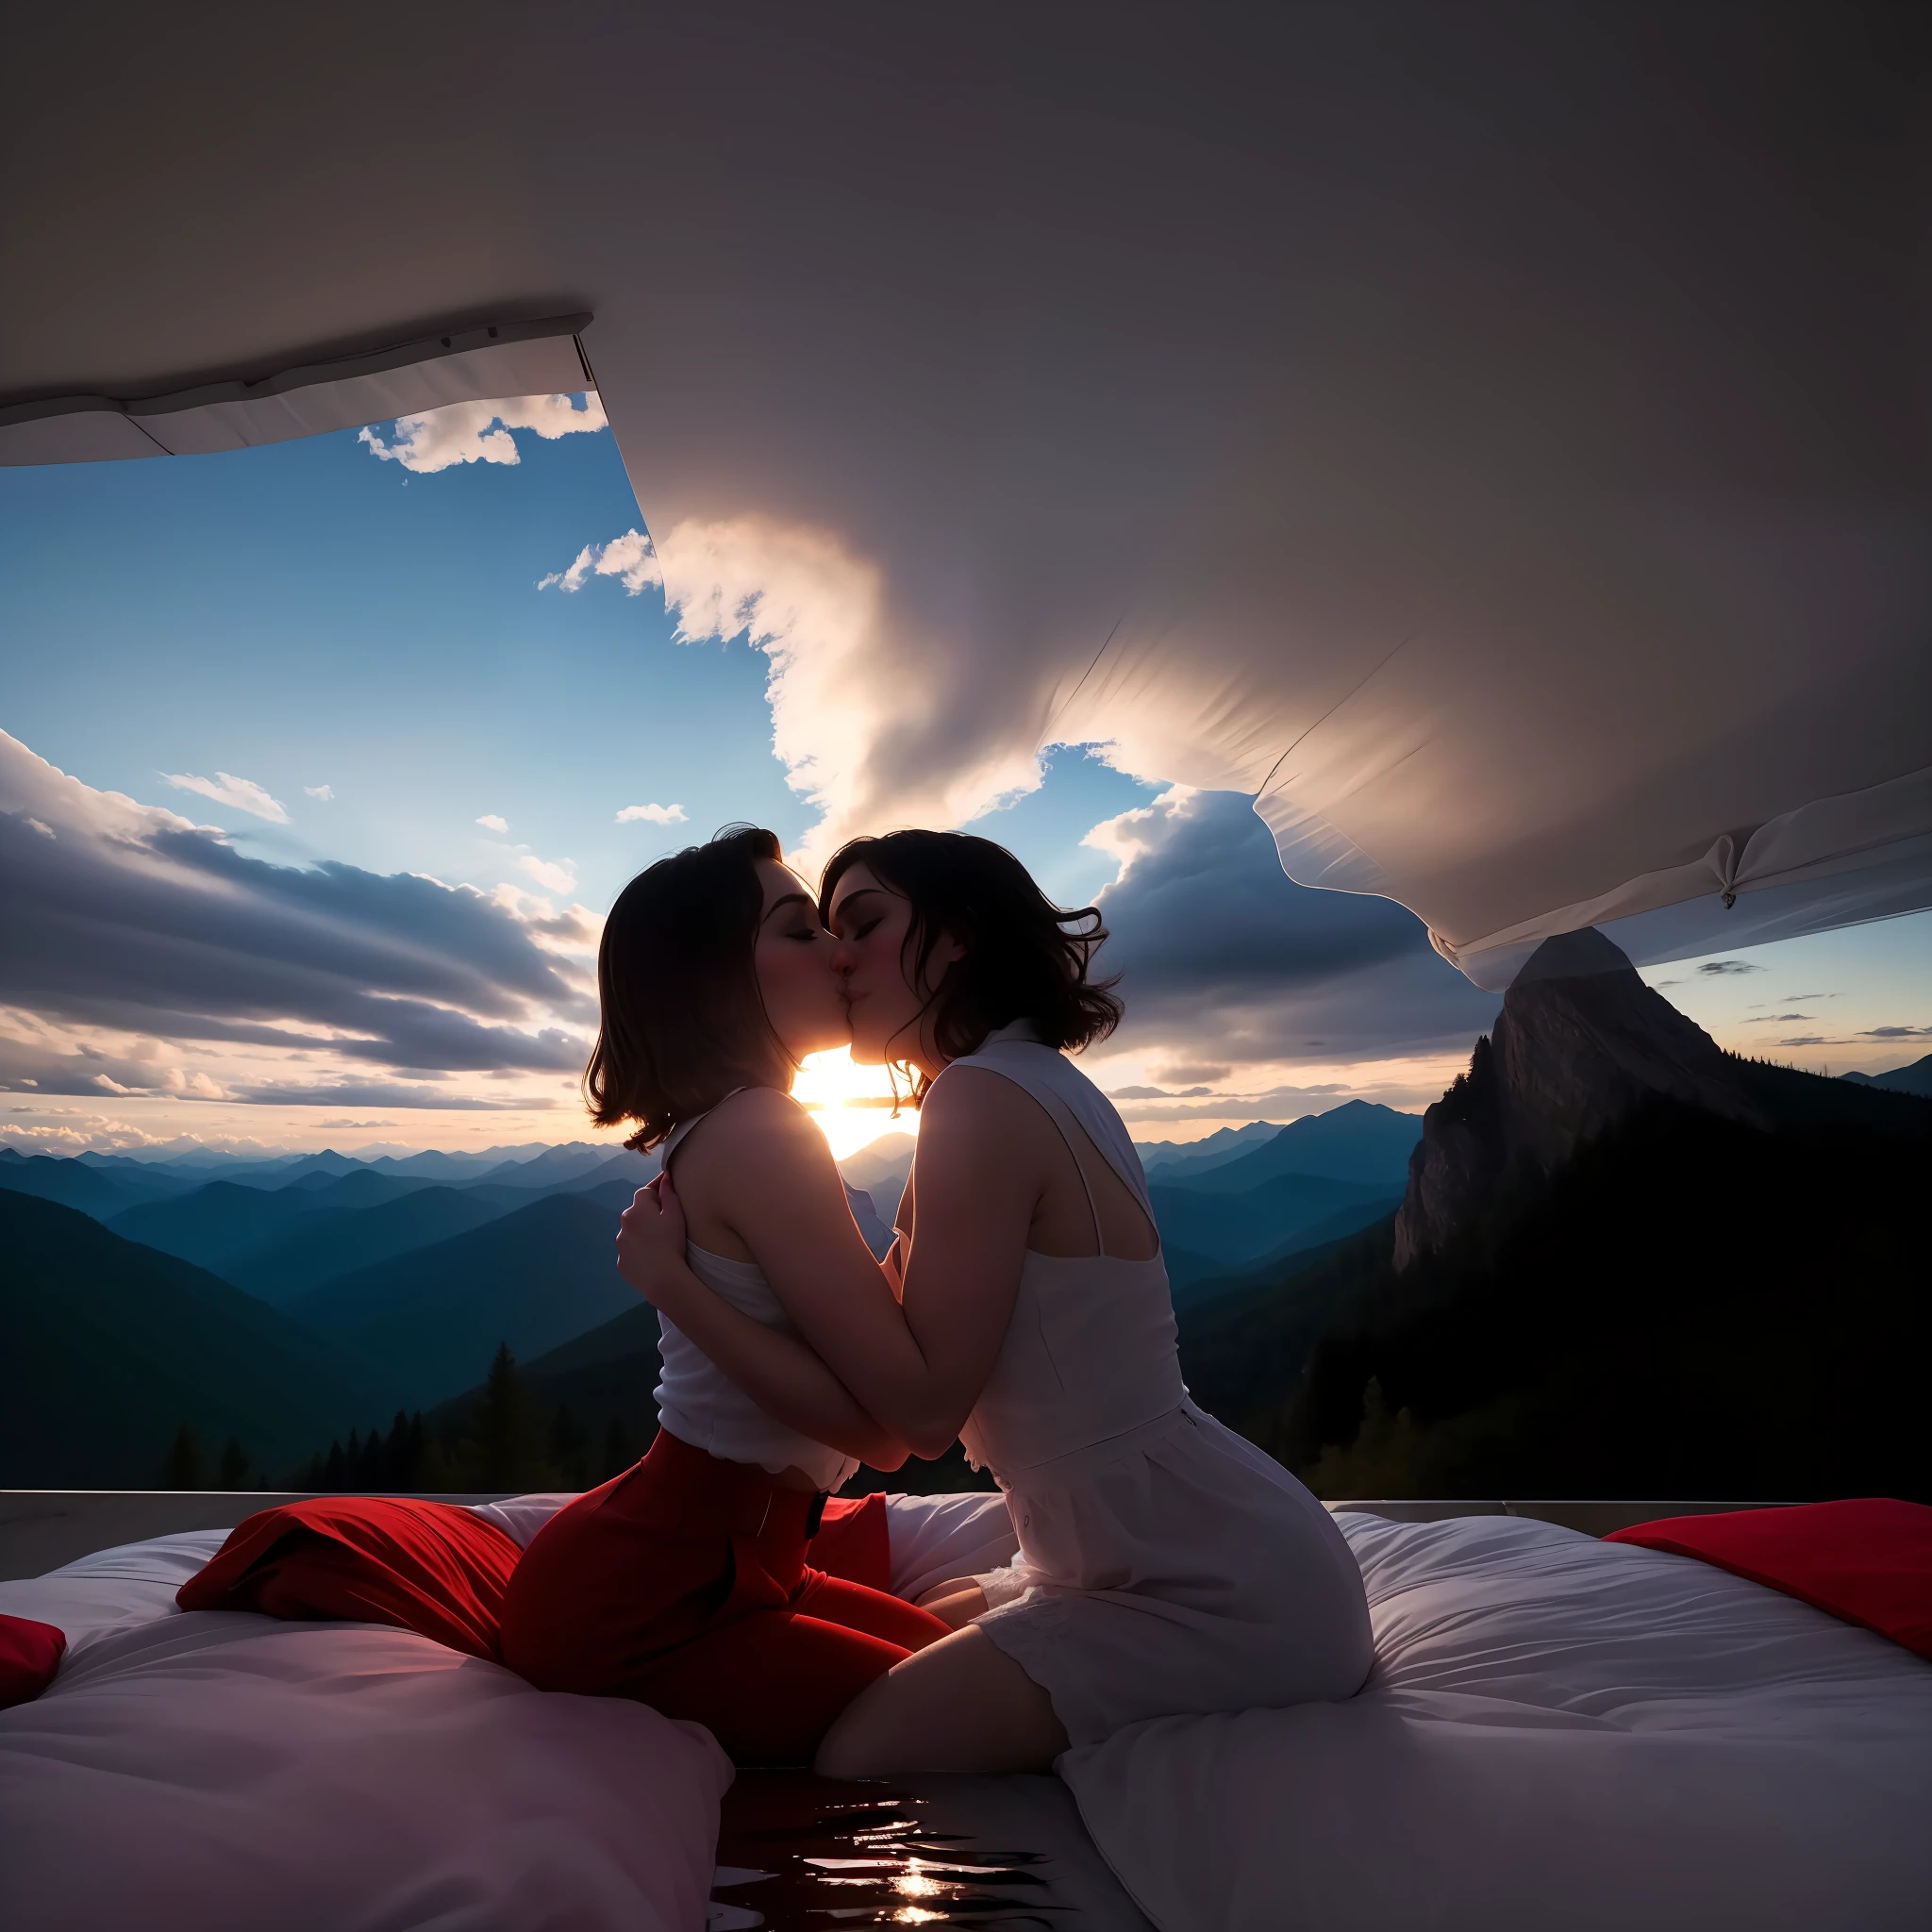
111, 1346
1626, 1263
411, 1272
1915, 1078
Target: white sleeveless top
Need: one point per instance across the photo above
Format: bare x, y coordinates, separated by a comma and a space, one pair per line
1089, 1352
701, 1404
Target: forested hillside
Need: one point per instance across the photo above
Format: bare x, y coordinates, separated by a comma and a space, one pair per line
110, 1347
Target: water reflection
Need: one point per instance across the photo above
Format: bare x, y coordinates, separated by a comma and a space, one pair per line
797, 1852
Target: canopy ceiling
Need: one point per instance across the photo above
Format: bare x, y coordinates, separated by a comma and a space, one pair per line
1496, 436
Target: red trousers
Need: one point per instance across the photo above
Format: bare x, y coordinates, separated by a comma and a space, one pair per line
683, 1583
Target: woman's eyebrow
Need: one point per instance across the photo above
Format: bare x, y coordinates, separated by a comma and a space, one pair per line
777, 906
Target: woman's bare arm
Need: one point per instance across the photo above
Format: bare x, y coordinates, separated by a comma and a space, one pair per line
766, 1189
917, 1368
777, 1370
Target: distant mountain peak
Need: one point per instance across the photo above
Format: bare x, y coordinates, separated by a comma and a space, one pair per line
1580, 1041
1916, 1077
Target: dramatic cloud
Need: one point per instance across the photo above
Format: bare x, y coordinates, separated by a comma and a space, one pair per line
558, 876
651, 814
480, 432
324, 793
347, 1094
136, 940
866, 733
244, 794
491, 822
1222, 959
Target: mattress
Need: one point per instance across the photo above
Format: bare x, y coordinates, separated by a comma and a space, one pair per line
1558, 1733
220, 1770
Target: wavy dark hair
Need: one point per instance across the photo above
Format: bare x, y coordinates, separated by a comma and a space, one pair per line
1025, 958
683, 1022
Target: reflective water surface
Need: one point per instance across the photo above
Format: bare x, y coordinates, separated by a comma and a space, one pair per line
798, 1852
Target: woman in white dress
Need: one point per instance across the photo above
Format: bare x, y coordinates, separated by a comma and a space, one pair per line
1165, 1566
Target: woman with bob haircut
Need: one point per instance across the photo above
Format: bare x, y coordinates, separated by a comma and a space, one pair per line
684, 1582
1165, 1566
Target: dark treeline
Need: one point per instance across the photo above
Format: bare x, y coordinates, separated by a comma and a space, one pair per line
1691, 1308
501, 1437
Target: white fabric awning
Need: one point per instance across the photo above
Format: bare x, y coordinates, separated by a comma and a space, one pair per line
1492, 438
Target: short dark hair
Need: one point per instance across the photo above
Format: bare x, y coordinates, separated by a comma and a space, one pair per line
683, 1022
1025, 958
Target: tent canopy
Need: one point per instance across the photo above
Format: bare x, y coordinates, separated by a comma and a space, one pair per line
1494, 437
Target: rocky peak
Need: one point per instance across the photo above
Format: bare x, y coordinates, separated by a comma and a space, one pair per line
1580, 1041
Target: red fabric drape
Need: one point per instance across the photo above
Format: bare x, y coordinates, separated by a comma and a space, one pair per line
429, 1567
1868, 1561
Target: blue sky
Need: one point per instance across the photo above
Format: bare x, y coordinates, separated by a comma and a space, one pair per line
304, 615
371, 649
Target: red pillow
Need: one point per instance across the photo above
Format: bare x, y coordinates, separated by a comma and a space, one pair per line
853, 1542
30, 1653
428, 1567
1867, 1561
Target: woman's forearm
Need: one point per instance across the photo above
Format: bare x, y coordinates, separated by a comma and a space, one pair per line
780, 1373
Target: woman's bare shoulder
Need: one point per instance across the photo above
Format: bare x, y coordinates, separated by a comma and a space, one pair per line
756, 1122
977, 1100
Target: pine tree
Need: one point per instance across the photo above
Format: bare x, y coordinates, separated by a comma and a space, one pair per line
332, 1476
569, 1455
232, 1472
619, 1453
184, 1468
506, 1438
399, 1456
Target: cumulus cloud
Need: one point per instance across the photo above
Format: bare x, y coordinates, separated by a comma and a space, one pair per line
559, 876
651, 814
1225, 961
136, 934
324, 793
491, 822
630, 559
244, 794
480, 432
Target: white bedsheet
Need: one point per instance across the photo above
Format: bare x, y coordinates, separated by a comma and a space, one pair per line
1559, 1733
229, 1771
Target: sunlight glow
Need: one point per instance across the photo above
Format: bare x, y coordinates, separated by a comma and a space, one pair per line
853, 1105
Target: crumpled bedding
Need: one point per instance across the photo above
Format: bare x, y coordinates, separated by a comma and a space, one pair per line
1559, 1733
219, 1770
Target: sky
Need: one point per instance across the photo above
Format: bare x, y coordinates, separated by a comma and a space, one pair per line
324, 760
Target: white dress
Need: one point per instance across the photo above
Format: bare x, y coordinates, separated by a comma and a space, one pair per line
1165, 1565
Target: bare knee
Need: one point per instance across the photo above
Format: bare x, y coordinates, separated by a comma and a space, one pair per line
955, 1604
961, 1706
